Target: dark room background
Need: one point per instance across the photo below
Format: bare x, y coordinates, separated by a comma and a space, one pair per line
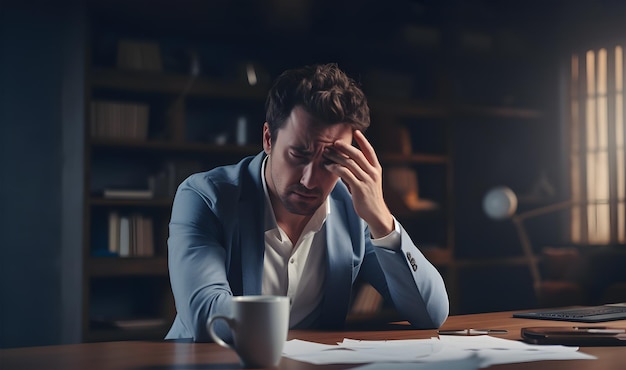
483, 83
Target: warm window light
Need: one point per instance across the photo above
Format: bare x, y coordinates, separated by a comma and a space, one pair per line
597, 147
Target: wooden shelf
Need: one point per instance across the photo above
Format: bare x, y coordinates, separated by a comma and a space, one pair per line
403, 213
167, 83
156, 203
415, 158
409, 108
496, 111
439, 109
116, 266
489, 262
170, 146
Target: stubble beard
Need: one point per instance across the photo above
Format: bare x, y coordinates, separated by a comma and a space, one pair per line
296, 207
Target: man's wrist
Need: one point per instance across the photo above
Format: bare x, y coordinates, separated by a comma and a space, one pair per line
383, 229
391, 240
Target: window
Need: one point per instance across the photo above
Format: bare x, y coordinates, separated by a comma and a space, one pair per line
597, 159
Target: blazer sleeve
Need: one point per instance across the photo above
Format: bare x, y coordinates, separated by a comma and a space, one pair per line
197, 261
413, 284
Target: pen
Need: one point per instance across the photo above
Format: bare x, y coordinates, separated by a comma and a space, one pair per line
472, 331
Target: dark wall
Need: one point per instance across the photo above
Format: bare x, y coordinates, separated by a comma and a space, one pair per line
41, 120
33, 56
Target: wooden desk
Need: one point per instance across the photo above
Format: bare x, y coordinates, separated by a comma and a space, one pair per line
196, 356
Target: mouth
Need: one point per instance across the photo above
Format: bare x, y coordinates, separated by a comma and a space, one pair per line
305, 196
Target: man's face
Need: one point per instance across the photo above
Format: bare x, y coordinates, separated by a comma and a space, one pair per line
296, 174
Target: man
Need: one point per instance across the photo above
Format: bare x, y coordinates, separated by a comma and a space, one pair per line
282, 223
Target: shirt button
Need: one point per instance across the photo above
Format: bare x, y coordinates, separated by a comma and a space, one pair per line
292, 260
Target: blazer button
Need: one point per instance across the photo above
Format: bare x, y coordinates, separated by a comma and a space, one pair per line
411, 261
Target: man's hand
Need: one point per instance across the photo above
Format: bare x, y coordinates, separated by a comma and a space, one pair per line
361, 171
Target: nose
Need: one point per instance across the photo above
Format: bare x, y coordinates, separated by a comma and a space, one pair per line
309, 173
314, 174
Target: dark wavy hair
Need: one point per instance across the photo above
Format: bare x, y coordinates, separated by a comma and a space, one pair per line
324, 91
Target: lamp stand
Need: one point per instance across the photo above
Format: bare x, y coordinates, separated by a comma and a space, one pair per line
527, 248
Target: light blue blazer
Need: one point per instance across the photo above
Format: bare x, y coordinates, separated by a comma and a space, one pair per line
216, 248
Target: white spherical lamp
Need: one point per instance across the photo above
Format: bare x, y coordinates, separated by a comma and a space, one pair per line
500, 203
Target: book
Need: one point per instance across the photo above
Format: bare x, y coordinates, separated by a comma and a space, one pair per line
124, 236
148, 237
131, 235
114, 232
128, 194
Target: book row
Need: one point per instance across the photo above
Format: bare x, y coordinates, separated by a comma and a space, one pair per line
119, 120
130, 235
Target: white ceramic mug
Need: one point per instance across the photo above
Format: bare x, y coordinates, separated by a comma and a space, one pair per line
259, 325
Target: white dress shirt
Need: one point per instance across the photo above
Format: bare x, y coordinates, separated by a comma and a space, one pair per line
298, 271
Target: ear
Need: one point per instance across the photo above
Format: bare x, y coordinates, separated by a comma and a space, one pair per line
267, 139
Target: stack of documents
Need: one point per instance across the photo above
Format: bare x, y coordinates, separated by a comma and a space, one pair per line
464, 352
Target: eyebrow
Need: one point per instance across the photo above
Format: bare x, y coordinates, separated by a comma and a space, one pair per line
301, 149
305, 149
308, 152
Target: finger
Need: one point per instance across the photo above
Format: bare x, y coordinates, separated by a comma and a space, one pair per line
342, 161
364, 156
350, 154
346, 175
366, 148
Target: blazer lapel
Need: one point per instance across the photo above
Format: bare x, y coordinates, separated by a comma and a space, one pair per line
251, 226
338, 284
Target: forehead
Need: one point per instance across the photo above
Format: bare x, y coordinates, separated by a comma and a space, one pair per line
302, 130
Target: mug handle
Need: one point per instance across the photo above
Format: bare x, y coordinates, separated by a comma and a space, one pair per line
229, 320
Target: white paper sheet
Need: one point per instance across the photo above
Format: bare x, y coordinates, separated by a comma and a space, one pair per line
492, 350
358, 352
470, 352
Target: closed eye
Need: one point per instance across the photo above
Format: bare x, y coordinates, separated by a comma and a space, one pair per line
299, 157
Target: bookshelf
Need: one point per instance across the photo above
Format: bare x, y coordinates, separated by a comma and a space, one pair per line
191, 126
147, 128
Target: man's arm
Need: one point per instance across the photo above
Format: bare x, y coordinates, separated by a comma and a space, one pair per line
197, 265
415, 286
362, 173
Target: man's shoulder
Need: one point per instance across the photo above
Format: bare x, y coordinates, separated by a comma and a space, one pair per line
220, 179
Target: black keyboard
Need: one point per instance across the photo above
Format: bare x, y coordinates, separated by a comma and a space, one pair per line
582, 314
